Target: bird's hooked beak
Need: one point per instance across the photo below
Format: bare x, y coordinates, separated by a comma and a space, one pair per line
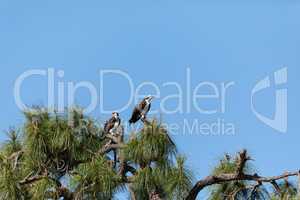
150, 98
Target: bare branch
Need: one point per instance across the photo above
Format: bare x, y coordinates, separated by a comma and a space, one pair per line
218, 179
15, 155
109, 147
111, 137
242, 159
31, 179
132, 195
276, 186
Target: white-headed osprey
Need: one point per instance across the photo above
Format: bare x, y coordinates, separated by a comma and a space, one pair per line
140, 111
111, 126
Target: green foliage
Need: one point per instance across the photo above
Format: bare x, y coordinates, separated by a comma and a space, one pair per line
10, 171
234, 190
241, 190
97, 179
13, 144
288, 191
152, 144
179, 181
59, 141
172, 183
145, 182
60, 156
9, 177
52, 148
54, 144
43, 189
160, 171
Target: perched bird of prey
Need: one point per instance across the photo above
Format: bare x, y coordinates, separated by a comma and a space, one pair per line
140, 111
112, 124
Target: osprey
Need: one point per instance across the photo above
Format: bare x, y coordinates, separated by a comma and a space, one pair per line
112, 124
140, 111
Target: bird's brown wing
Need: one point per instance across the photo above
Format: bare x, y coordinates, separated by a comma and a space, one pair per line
109, 125
136, 115
142, 105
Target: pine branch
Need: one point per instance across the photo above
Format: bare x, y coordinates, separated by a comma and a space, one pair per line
238, 176
242, 159
31, 179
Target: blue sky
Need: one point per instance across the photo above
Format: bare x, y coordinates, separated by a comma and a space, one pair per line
156, 41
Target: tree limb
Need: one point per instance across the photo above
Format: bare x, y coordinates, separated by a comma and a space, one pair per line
222, 178
31, 179
242, 159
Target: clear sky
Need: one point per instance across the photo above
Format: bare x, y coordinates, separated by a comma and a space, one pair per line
156, 40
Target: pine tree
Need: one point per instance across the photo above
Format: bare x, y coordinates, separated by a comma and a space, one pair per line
68, 156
